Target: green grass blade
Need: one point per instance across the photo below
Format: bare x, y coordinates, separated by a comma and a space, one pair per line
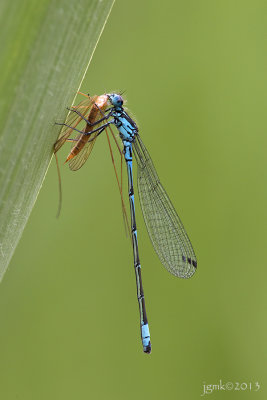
46, 48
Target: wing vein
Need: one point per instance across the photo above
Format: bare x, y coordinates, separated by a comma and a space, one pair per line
164, 226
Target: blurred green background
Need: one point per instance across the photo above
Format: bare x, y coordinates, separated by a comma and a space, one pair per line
195, 79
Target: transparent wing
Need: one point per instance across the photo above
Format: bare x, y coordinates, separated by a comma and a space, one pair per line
73, 120
78, 161
164, 226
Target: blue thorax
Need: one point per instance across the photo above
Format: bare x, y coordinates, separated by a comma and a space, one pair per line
124, 123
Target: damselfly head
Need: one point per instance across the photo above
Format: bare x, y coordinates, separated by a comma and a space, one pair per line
115, 99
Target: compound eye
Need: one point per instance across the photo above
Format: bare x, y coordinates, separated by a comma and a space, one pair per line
119, 100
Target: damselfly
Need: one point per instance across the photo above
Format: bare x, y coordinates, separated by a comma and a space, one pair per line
164, 226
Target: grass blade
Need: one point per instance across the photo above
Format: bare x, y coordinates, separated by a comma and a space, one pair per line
45, 52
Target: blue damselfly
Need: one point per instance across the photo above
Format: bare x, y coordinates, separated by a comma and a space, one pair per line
164, 226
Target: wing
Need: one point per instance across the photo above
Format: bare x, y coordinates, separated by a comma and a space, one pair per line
164, 226
78, 161
73, 120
